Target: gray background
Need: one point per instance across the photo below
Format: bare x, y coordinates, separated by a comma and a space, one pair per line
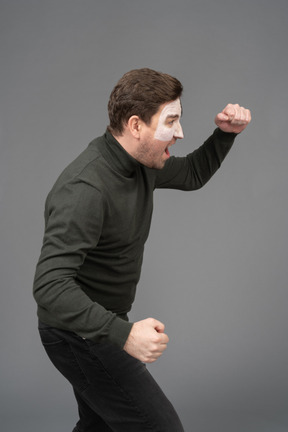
215, 269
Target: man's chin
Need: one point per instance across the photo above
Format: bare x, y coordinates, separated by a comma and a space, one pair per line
160, 165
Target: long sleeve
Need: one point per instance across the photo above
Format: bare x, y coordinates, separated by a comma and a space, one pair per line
194, 170
74, 218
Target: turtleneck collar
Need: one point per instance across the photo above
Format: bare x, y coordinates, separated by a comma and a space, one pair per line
117, 157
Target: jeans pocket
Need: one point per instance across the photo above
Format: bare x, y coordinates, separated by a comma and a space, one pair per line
48, 337
61, 353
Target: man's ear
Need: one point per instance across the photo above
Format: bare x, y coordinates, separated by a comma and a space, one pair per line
134, 125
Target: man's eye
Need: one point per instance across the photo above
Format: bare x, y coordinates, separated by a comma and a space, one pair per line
171, 122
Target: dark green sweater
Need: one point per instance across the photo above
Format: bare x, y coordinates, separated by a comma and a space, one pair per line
97, 219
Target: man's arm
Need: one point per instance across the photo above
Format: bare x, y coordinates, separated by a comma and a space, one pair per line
195, 170
74, 217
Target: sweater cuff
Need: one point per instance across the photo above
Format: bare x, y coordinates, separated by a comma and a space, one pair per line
119, 331
225, 136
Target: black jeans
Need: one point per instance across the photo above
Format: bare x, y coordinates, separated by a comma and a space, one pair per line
114, 391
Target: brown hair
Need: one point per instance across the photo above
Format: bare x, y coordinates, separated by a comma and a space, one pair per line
140, 92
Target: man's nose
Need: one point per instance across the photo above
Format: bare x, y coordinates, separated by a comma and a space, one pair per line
178, 132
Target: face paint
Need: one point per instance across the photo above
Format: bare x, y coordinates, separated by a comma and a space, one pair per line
169, 122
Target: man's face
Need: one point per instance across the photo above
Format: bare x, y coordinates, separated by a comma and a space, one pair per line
163, 131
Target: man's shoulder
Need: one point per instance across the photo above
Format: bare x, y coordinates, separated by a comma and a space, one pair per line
84, 166
81, 176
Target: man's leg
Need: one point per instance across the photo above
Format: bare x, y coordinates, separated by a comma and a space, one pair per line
112, 385
89, 420
62, 355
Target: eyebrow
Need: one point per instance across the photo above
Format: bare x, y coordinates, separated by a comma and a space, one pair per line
173, 116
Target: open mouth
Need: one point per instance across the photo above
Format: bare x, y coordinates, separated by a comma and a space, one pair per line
167, 151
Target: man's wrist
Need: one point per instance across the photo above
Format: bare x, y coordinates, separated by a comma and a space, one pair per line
119, 331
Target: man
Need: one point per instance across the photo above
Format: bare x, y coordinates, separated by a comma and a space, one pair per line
97, 219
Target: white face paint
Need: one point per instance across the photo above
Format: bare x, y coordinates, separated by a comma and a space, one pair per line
169, 122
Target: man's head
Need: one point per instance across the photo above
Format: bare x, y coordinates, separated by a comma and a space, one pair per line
140, 92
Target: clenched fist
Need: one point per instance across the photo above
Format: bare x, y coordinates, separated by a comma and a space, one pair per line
233, 118
147, 340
